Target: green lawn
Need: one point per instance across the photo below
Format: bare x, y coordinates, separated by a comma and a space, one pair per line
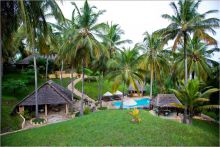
91, 88
113, 127
9, 99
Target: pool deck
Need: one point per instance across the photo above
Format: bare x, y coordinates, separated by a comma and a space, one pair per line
110, 105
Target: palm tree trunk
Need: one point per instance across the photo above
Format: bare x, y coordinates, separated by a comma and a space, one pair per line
101, 89
36, 98
82, 99
122, 100
72, 82
151, 80
185, 58
186, 76
47, 68
61, 73
1, 75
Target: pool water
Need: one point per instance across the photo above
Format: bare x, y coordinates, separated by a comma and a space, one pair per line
145, 102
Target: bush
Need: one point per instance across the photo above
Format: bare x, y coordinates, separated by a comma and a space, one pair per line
28, 115
135, 114
86, 110
77, 114
102, 108
15, 85
38, 120
211, 114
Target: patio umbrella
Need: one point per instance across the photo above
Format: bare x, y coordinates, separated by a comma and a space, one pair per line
129, 102
107, 94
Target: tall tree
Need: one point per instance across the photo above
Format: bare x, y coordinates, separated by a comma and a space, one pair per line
199, 59
153, 59
33, 20
83, 43
112, 37
123, 70
187, 20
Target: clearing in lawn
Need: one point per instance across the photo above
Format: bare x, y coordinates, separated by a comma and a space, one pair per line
114, 127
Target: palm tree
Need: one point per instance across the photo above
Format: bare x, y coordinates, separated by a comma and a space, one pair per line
187, 20
124, 70
112, 37
192, 99
34, 22
101, 67
199, 59
83, 43
153, 59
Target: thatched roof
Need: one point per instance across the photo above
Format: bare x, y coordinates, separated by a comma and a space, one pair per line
118, 93
164, 100
140, 87
48, 93
27, 60
30, 58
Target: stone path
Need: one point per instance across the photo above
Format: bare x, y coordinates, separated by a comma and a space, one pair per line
172, 116
77, 92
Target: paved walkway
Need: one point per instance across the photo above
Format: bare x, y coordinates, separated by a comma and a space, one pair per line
77, 92
172, 116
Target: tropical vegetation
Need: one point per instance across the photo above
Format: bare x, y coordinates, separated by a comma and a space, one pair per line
97, 52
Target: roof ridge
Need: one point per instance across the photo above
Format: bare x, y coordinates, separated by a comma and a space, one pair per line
50, 83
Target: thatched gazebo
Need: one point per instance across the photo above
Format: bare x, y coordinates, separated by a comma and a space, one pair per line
132, 90
49, 94
164, 102
27, 60
118, 95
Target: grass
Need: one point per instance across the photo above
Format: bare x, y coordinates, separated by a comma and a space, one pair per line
114, 127
9, 100
91, 88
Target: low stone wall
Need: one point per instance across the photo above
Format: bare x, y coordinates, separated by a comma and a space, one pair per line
57, 74
23, 123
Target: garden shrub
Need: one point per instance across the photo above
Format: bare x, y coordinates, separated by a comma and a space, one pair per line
86, 110
28, 115
77, 114
38, 120
135, 115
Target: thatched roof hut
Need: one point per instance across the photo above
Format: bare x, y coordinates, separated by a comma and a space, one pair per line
48, 93
165, 100
139, 86
28, 59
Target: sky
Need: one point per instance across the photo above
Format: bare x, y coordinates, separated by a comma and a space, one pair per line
137, 17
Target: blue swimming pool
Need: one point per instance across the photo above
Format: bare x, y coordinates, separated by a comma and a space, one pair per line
140, 103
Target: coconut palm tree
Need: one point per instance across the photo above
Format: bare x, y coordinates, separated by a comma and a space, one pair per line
33, 21
153, 59
83, 43
198, 57
112, 37
187, 20
123, 69
192, 99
